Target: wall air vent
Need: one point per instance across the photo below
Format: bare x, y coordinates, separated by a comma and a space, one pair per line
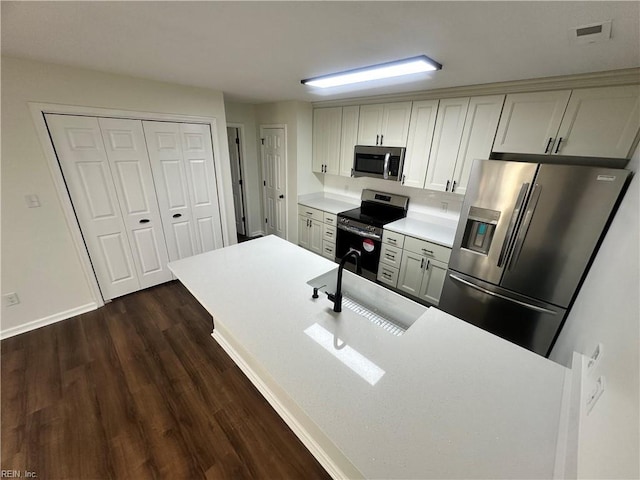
592, 33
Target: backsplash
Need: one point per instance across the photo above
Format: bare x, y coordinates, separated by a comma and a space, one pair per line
423, 202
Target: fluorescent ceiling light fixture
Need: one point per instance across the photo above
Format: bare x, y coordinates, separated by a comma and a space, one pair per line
408, 66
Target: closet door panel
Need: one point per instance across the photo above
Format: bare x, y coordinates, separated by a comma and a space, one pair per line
201, 179
82, 157
127, 154
164, 144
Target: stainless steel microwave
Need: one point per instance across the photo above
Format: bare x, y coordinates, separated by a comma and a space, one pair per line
378, 162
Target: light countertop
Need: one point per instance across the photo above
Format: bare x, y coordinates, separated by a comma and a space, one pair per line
453, 400
328, 203
425, 229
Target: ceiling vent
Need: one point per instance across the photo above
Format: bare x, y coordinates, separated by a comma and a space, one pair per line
592, 33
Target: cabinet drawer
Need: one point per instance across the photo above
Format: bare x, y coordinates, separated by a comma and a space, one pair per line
393, 238
329, 250
428, 249
309, 212
330, 218
329, 233
391, 255
388, 275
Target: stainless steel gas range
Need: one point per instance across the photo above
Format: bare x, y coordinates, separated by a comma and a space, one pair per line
360, 229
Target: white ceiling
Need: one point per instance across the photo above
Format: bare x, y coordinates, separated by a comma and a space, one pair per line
259, 51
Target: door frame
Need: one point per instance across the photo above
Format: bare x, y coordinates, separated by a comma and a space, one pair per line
286, 174
243, 170
38, 110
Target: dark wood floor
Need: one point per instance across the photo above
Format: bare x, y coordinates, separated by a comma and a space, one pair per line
139, 389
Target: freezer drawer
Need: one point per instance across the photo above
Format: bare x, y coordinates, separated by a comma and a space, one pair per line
524, 321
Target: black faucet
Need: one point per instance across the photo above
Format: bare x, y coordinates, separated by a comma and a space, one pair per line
336, 298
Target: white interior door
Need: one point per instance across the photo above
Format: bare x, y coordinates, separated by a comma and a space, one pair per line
83, 160
127, 153
233, 138
201, 179
182, 161
167, 163
274, 174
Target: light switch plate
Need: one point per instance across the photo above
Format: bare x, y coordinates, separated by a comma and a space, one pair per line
10, 299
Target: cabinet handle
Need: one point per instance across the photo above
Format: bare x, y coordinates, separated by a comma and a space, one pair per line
177, 215
453, 186
309, 213
430, 252
558, 146
145, 220
403, 177
428, 263
422, 264
390, 257
546, 150
391, 240
446, 189
377, 139
381, 137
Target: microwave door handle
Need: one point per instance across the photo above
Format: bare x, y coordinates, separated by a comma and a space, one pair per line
513, 221
385, 173
526, 223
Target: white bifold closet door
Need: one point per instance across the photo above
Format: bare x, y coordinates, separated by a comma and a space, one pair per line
181, 159
132, 222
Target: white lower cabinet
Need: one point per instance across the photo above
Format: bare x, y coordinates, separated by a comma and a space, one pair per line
317, 231
416, 267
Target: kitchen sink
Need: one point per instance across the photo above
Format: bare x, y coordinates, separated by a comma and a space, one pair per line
381, 306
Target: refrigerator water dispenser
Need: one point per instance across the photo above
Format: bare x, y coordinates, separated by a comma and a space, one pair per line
481, 225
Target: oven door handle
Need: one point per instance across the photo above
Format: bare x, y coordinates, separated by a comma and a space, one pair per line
385, 173
359, 233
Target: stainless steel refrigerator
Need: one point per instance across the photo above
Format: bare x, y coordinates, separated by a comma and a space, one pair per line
526, 236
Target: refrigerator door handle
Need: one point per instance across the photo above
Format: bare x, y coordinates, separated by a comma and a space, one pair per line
535, 196
515, 216
503, 297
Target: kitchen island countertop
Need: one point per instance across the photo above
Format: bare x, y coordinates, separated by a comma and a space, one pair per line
452, 401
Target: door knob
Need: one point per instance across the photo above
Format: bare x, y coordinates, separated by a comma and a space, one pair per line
145, 220
177, 215
281, 196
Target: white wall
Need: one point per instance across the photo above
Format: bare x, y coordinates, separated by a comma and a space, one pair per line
427, 202
297, 116
245, 114
607, 311
39, 261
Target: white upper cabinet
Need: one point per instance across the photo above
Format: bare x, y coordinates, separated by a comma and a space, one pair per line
446, 142
423, 122
590, 122
479, 132
327, 128
384, 124
600, 122
530, 121
349, 138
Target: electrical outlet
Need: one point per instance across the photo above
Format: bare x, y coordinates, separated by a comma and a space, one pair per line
10, 299
595, 394
32, 201
595, 358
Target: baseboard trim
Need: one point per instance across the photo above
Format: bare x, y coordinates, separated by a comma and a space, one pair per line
327, 454
42, 322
